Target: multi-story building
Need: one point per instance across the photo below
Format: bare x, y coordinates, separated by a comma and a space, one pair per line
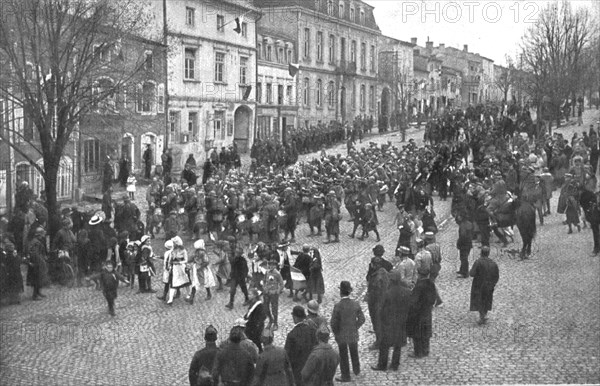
212, 70
337, 55
427, 90
121, 124
396, 73
276, 102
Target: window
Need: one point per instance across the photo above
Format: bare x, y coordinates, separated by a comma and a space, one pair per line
330, 7
193, 126
331, 49
218, 122
160, 97
341, 10
91, 155
148, 61
280, 55
353, 96
343, 49
219, 66
269, 93
305, 92
244, 29
306, 42
190, 16
362, 17
288, 94
371, 97
320, 46
269, 53
243, 70
280, 94
174, 126
258, 92
289, 56
146, 97
64, 179
319, 92
372, 58
101, 52
363, 56
331, 94
362, 97
353, 51
220, 23
259, 50
189, 64
352, 14
24, 173
104, 94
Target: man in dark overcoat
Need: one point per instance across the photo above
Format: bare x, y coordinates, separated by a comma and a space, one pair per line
419, 324
346, 319
300, 342
255, 318
485, 276
396, 305
377, 285
37, 273
203, 360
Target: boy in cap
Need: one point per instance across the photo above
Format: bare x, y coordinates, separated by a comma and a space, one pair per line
322, 362
273, 366
109, 280
300, 341
313, 316
273, 287
203, 360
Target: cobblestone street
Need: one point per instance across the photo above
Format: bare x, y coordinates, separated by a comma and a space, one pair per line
544, 327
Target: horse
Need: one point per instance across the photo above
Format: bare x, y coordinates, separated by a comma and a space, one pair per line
522, 214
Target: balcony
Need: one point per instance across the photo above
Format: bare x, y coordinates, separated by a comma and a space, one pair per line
345, 68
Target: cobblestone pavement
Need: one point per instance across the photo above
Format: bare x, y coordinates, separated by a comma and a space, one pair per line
544, 327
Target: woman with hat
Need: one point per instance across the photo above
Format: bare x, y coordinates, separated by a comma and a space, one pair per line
179, 260
166, 275
98, 246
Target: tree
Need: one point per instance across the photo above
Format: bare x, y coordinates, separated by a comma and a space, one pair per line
52, 55
552, 52
506, 78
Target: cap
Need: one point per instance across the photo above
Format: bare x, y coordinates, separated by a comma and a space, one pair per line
405, 250
299, 312
210, 334
323, 332
345, 286
144, 239
313, 307
378, 250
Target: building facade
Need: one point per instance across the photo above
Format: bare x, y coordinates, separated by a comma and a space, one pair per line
276, 101
337, 56
211, 74
396, 74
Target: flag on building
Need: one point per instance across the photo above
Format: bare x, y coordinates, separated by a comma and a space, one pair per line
293, 69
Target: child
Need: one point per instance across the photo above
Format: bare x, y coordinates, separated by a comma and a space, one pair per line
273, 287
153, 219
131, 181
130, 256
147, 269
109, 279
166, 276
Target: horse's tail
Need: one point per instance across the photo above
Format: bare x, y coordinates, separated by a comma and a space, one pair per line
525, 219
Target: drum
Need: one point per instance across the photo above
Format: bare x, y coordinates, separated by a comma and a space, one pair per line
298, 279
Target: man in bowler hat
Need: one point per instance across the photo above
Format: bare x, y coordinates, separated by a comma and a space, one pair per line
346, 319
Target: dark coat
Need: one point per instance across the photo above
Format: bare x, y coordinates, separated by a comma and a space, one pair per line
485, 276
37, 274
303, 264
298, 345
11, 281
396, 305
419, 323
346, 319
233, 364
110, 283
255, 323
273, 368
204, 358
320, 366
316, 284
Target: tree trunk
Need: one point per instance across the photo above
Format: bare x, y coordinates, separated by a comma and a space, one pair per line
51, 202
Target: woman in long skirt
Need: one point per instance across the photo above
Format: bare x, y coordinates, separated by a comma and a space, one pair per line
201, 274
179, 276
166, 274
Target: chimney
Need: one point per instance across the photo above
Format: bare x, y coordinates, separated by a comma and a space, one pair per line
466, 48
442, 46
413, 41
429, 45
